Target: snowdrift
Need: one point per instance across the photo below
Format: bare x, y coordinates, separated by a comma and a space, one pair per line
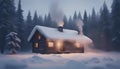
61, 61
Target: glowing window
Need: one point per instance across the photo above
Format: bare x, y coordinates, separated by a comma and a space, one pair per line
77, 44
39, 37
50, 44
59, 45
36, 45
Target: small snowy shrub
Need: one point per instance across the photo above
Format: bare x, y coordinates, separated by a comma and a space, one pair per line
13, 42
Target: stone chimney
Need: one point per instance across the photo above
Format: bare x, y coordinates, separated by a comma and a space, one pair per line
78, 32
60, 28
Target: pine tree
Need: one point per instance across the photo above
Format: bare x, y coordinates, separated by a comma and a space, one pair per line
105, 19
21, 25
93, 19
29, 23
85, 20
79, 16
93, 31
7, 20
116, 23
40, 19
28, 29
75, 16
104, 29
49, 22
20, 19
35, 19
65, 22
45, 20
70, 23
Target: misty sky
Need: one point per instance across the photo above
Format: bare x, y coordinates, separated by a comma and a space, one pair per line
68, 6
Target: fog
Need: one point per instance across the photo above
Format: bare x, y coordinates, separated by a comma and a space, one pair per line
68, 6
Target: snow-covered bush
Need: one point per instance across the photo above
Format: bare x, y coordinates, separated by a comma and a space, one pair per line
13, 42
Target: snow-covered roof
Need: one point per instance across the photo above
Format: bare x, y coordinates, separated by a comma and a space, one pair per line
53, 33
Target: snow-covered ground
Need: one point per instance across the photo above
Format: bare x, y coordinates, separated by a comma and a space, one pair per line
101, 60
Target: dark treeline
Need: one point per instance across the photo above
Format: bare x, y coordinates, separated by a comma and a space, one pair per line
103, 27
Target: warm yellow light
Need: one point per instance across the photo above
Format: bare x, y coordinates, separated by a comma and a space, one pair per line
36, 45
77, 44
39, 37
59, 45
50, 44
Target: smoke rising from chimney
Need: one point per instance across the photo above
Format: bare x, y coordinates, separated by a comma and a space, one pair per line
80, 24
57, 14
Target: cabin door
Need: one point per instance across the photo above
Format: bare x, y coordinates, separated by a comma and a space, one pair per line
42, 46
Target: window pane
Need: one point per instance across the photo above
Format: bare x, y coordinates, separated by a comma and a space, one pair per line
50, 44
36, 45
39, 37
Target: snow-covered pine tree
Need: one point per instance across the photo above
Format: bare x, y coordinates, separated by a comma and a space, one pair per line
7, 20
13, 42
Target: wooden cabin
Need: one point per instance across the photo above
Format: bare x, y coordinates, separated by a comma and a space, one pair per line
51, 40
